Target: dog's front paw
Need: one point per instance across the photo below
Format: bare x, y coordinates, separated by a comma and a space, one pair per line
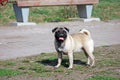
56, 66
69, 67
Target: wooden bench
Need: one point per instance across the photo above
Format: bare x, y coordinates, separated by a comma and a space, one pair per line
21, 7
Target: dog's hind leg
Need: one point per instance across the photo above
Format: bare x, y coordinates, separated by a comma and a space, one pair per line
88, 58
91, 57
89, 53
59, 60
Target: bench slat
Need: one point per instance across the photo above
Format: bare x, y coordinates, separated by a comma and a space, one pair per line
30, 3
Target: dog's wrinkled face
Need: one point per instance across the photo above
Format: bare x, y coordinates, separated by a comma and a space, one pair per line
60, 33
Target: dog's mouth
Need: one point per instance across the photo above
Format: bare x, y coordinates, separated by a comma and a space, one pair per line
61, 38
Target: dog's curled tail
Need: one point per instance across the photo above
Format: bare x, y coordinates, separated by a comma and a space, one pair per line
85, 31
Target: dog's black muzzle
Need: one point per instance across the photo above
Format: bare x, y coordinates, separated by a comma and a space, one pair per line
61, 35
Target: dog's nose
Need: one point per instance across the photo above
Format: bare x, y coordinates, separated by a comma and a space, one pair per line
61, 34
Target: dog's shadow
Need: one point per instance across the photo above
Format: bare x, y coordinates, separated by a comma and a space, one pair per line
64, 63
48, 62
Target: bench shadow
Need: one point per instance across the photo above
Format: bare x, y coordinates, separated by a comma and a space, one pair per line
65, 62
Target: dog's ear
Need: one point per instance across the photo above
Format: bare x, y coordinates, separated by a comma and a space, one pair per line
66, 29
53, 30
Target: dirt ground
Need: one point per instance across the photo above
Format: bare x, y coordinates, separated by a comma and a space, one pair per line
107, 64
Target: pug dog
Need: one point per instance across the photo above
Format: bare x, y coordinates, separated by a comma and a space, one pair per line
67, 44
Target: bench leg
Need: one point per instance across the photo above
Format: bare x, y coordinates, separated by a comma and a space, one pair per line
22, 15
85, 12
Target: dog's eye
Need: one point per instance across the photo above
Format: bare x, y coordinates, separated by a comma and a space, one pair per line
58, 32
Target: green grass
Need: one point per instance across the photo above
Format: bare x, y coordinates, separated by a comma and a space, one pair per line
106, 10
6, 14
9, 72
102, 78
